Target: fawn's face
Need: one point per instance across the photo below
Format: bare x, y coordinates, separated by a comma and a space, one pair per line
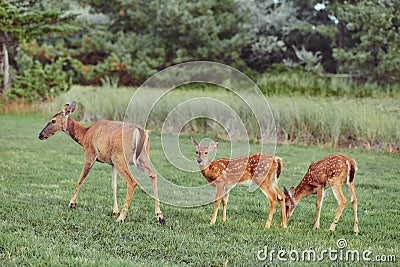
202, 152
58, 122
289, 202
202, 155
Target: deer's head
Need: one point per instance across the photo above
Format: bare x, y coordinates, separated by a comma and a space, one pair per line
289, 201
202, 152
58, 122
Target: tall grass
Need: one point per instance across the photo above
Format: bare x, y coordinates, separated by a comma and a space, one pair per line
367, 123
335, 122
304, 83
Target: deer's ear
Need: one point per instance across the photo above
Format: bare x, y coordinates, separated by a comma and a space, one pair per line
291, 191
285, 191
72, 106
69, 108
194, 142
213, 145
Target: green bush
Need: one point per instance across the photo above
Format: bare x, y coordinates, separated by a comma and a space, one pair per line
40, 82
300, 82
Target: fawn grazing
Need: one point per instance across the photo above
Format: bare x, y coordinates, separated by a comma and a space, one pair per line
112, 142
223, 173
335, 170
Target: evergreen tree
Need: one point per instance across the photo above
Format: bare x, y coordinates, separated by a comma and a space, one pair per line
368, 42
22, 21
270, 23
138, 38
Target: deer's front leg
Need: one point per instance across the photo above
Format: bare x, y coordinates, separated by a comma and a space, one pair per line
281, 200
85, 171
337, 191
318, 203
224, 206
220, 193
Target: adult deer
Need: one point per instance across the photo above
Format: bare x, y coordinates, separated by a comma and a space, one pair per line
334, 170
223, 173
112, 142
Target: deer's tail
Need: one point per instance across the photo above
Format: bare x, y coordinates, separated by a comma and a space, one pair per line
140, 137
352, 168
278, 160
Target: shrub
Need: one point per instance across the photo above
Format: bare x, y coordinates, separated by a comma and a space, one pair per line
40, 82
298, 81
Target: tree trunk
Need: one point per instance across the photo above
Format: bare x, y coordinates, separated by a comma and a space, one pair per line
4, 69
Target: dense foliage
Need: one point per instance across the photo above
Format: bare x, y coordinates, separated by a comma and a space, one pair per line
124, 42
372, 48
22, 22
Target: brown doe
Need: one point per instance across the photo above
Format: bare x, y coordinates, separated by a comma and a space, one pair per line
113, 142
334, 170
260, 169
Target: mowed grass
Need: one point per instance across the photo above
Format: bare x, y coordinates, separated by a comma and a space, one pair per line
38, 178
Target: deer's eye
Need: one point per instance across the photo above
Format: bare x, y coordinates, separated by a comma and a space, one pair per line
206, 153
53, 121
197, 152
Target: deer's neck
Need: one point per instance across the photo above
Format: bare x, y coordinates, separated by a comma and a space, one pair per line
302, 190
76, 131
207, 172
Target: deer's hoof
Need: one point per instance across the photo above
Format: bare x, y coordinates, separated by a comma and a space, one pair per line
121, 220
72, 205
115, 214
161, 220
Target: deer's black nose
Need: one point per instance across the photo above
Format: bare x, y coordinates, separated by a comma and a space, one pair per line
199, 160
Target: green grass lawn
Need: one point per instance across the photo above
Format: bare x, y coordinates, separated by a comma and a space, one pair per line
37, 180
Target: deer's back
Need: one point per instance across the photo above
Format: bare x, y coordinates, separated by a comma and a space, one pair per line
113, 138
329, 168
240, 169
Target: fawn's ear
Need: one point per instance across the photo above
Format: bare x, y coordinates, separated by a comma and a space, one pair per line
288, 193
194, 142
213, 145
291, 191
285, 191
69, 108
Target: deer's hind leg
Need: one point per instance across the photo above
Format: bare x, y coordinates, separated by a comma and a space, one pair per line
143, 165
354, 205
131, 183
114, 188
